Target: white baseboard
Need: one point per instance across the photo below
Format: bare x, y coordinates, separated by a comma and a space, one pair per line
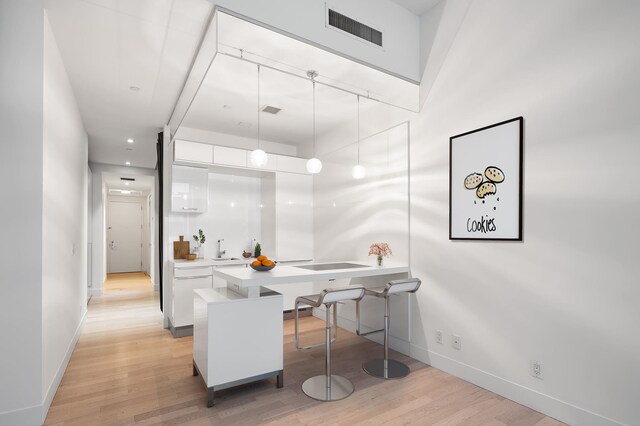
96, 291
51, 392
545, 404
23, 416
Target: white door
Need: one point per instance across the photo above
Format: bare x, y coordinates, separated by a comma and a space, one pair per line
125, 237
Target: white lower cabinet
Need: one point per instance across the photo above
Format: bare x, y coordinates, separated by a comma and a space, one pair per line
183, 297
237, 339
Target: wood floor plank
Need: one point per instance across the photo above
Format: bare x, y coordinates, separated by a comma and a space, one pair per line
126, 369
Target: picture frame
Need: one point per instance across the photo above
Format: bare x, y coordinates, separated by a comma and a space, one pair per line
485, 183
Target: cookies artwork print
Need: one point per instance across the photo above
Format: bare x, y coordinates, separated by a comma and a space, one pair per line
485, 183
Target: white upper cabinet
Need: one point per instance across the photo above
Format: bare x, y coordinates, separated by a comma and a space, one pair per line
189, 189
291, 164
294, 216
271, 162
186, 152
225, 156
192, 152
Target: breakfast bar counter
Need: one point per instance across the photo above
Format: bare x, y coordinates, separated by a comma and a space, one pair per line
247, 282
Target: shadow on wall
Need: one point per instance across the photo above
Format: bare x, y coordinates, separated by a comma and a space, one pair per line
352, 214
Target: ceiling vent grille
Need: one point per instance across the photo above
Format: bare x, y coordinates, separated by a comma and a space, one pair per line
128, 179
271, 109
358, 29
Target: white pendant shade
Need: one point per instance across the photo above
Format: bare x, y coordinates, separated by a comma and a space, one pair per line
358, 171
259, 158
314, 165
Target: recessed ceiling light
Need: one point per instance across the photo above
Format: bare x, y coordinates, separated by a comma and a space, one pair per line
126, 184
134, 88
227, 106
127, 163
130, 140
124, 191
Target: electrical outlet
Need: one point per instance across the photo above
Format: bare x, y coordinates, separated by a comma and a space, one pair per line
439, 336
537, 370
456, 342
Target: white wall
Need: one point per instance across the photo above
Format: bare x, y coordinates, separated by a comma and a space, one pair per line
21, 81
567, 295
306, 19
350, 215
64, 220
99, 220
44, 169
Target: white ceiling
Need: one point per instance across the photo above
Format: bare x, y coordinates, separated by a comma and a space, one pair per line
227, 100
108, 46
418, 7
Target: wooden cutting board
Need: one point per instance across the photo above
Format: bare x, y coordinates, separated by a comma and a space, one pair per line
180, 248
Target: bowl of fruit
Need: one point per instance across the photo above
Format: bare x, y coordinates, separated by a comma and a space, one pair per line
262, 263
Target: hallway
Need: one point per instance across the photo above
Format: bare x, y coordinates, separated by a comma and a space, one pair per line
126, 369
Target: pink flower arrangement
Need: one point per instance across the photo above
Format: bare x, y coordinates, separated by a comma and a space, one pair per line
380, 249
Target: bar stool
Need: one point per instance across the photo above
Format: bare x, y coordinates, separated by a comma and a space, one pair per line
327, 387
386, 368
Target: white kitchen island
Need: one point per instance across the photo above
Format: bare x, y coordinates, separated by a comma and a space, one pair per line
238, 329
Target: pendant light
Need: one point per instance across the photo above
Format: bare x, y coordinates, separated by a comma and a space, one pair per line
358, 171
314, 165
258, 156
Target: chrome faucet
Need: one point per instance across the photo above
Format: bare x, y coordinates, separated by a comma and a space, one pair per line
220, 251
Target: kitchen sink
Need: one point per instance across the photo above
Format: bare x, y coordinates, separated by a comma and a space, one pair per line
225, 258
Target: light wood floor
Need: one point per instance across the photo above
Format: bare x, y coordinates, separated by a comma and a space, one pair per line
127, 369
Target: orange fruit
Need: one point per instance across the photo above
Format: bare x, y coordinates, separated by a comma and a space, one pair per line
267, 262
261, 258
256, 263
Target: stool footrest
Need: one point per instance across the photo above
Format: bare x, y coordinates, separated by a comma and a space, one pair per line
315, 345
359, 333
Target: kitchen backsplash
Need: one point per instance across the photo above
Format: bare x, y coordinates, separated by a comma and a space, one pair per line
234, 214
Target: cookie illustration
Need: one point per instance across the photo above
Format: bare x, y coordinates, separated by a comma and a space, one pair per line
487, 188
494, 174
472, 181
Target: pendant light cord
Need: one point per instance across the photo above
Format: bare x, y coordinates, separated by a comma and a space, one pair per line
259, 106
358, 129
313, 148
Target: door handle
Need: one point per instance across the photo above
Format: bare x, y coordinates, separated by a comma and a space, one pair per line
113, 245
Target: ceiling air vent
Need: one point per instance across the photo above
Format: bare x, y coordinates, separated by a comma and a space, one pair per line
271, 109
128, 179
358, 29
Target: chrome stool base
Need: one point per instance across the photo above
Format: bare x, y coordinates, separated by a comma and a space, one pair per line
316, 388
395, 369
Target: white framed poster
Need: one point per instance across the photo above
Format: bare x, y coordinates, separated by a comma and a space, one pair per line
485, 183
